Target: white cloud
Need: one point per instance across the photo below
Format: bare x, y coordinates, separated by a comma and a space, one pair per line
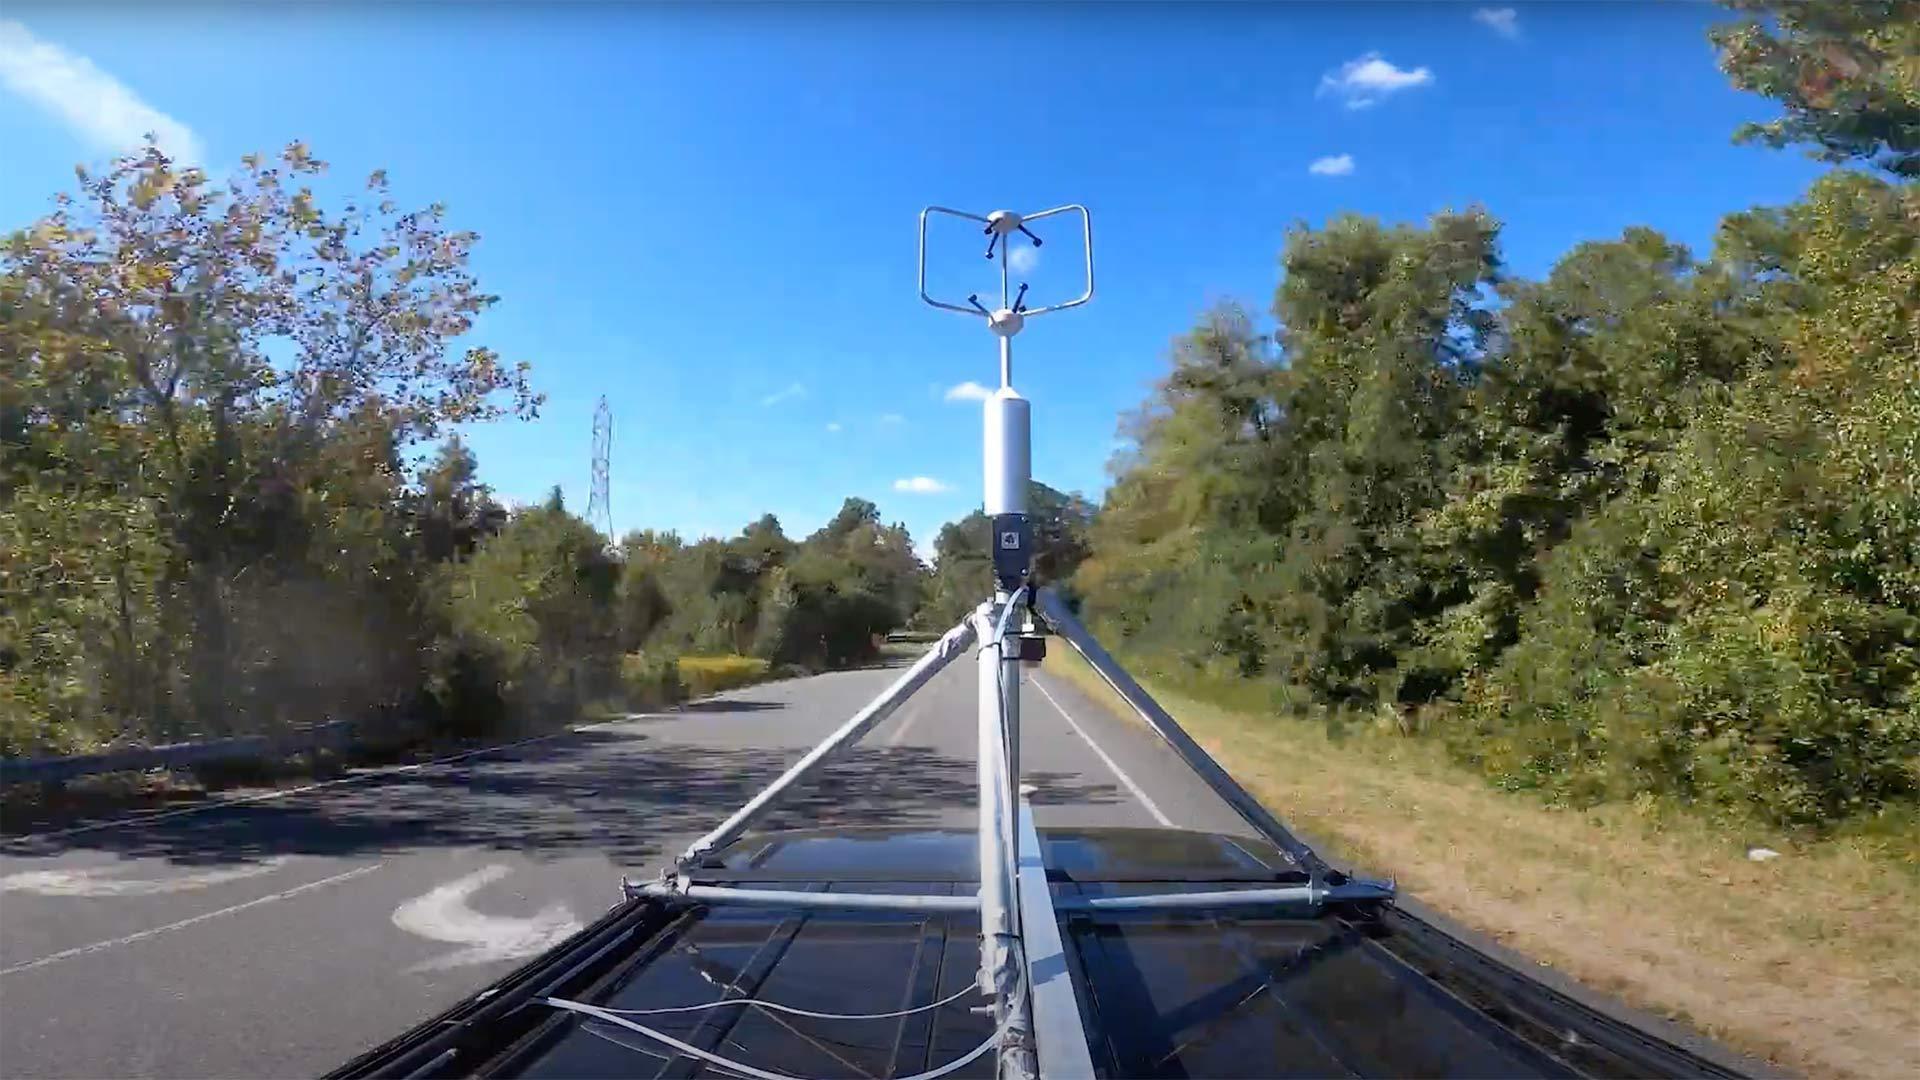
1364, 82
793, 391
1023, 259
1503, 21
892, 418
968, 391
919, 485
1337, 165
833, 425
94, 104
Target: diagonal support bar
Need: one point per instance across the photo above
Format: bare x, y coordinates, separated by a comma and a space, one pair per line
950, 645
1061, 621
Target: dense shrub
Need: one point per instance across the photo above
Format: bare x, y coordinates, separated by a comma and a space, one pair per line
711, 674
649, 680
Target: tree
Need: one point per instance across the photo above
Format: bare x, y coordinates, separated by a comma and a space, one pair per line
453, 511
1847, 72
531, 618
215, 385
962, 573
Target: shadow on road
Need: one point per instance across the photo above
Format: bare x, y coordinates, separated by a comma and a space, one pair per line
728, 705
620, 794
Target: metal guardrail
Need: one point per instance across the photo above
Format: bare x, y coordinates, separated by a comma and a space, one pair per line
52, 770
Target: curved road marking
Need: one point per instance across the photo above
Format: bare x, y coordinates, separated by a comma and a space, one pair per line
443, 915
68, 954
95, 882
1126, 780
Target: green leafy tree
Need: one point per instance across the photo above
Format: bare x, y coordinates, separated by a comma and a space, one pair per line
213, 389
1847, 72
962, 574
531, 619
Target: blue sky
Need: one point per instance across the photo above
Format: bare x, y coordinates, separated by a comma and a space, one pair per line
707, 213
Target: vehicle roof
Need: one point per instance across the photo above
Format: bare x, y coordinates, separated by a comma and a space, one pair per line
1363, 990
1164, 994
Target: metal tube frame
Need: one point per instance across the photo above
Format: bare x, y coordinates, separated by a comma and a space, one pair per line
813, 901
1002, 971
1013, 887
951, 645
1061, 621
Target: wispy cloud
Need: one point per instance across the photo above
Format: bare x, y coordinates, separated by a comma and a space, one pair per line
1364, 82
968, 391
833, 426
1337, 165
95, 105
1022, 260
919, 485
1503, 21
891, 419
792, 392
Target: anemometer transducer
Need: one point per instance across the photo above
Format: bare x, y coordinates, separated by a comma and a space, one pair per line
1008, 432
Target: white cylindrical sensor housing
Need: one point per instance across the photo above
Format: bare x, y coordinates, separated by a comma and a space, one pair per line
1009, 452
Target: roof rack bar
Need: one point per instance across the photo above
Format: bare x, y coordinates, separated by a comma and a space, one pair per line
727, 896
1309, 899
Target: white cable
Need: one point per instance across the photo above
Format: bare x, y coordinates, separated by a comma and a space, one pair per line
777, 1007
727, 1063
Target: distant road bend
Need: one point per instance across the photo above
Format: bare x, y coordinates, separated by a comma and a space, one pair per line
281, 933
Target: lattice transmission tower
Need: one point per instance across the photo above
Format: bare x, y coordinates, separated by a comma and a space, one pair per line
600, 503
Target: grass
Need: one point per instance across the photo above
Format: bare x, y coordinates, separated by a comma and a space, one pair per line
703, 675
1810, 960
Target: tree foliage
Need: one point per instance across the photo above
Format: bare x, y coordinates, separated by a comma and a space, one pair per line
224, 511
1644, 527
962, 574
1847, 71
212, 392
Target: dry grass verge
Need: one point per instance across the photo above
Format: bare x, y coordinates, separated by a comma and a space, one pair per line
1810, 960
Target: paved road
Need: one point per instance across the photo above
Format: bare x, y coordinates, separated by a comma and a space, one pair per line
279, 936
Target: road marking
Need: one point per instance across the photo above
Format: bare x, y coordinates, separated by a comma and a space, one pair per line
912, 713
82, 950
94, 882
1102, 755
142, 819
443, 915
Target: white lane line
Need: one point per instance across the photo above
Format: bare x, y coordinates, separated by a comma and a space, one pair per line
82, 950
910, 714
1117, 771
281, 793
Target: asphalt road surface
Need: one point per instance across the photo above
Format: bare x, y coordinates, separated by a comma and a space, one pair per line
280, 933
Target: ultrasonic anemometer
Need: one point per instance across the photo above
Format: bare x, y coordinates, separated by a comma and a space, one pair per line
1008, 431
1023, 964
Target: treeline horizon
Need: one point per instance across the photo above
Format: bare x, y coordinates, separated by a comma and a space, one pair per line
1644, 528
